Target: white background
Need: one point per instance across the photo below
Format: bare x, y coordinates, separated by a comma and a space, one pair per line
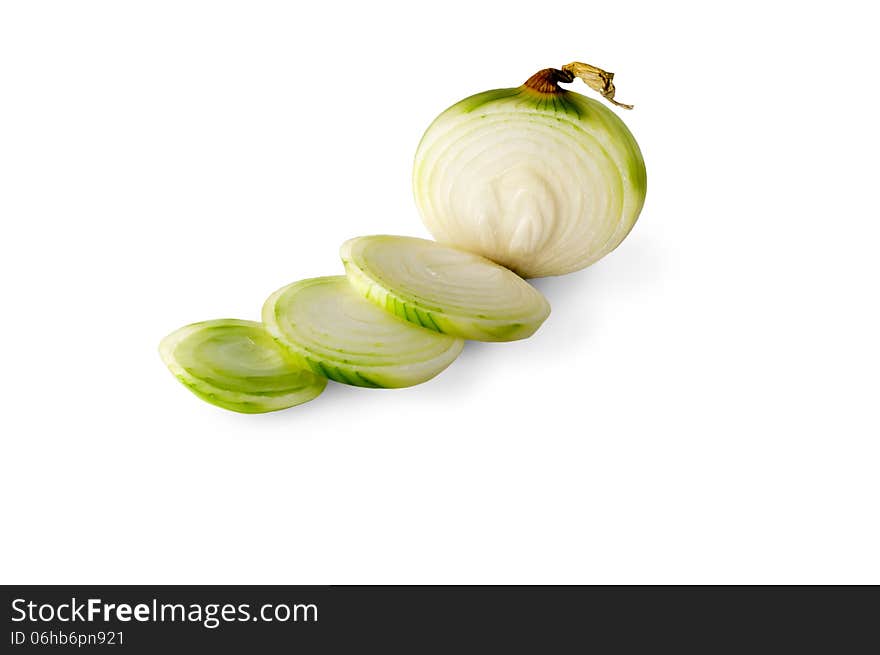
702, 405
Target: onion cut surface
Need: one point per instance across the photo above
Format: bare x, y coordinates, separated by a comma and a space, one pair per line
327, 326
444, 289
237, 365
541, 182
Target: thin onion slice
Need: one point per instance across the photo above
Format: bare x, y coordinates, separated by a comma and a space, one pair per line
327, 326
236, 365
444, 289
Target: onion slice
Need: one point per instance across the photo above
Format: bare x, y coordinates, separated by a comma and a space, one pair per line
237, 365
444, 289
327, 326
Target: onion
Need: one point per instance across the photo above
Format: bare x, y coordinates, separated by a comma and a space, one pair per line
541, 180
512, 183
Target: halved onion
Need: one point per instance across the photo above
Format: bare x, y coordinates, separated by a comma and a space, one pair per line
542, 180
